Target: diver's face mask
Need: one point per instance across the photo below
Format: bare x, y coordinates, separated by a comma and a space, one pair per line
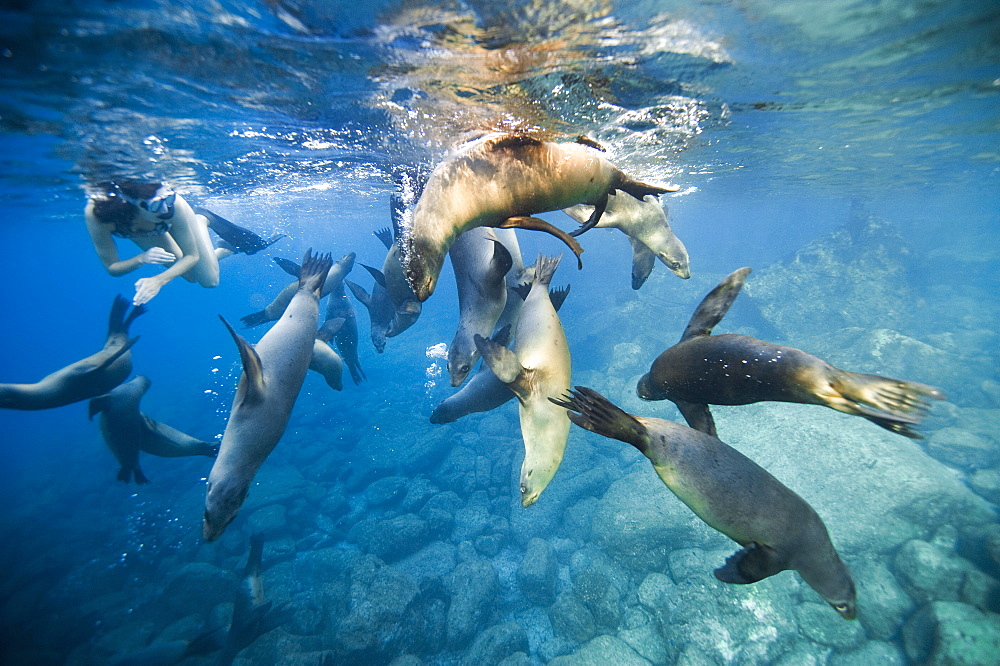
160, 204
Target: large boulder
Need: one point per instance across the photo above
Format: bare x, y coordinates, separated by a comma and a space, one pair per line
473, 586
538, 574
953, 634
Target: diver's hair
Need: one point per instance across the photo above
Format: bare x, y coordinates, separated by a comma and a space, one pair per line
110, 207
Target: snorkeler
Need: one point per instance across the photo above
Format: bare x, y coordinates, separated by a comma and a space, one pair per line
164, 226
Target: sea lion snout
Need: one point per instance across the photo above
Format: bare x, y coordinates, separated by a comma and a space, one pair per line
645, 390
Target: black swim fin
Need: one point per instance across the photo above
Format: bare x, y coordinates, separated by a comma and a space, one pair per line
752, 563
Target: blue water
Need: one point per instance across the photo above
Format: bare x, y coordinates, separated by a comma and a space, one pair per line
782, 122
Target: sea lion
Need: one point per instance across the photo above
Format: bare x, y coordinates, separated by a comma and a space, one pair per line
95, 375
276, 308
777, 529
324, 360
253, 616
704, 369
645, 223
168, 653
501, 180
481, 263
127, 430
338, 306
237, 239
537, 367
273, 372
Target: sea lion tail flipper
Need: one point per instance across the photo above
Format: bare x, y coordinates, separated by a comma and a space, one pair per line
252, 369
522, 290
329, 329
595, 216
385, 234
255, 319
558, 296
312, 275
545, 268
536, 224
269, 242
640, 190
119, 352
359, 293
377, 274
502, 361
642, 263
288, 266
97, 405
140, 478
115, 320
132, 316
592, 411
714, 306
698, 416
752, 563
893, 404
255, 555
502, 336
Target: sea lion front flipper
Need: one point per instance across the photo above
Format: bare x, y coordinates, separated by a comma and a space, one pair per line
288, 266
536, 224
385, 234
640, 190
587, 141
359, 293
504, 364
558, 296
595, 216
97, 405
501, 261
252, 368
698, 416
377, 274
713, 307
753, 563
118, 353
329, 329
642, 262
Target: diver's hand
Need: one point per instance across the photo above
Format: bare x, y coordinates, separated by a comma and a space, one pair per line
145, 289
157, 255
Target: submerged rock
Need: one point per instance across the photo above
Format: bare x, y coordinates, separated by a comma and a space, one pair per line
473, 585
602, 651
952, 633
393, 539
571, 619
496, 644
962, 448
537, 575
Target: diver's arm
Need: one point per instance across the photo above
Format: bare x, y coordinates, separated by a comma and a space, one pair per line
107, 249
181, 231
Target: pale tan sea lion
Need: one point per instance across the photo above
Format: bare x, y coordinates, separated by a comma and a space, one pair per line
502, 180
645, 223
273, 372
731, 493
537, 367
324, 360
704, 369
95, 375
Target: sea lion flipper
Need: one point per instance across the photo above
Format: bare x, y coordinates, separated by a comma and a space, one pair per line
502, 361
385, 234
118, 353
377, 274
288, 266
359, 293
640, 190
698, 416
642, 262
752, 563
587, 141
501, 261
97, 405
536, 224
592, 411
502, 337
255, 319
330, 328
714, 306
252, 368
558, 296
595, 216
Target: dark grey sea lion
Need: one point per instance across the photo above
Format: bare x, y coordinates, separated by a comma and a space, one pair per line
338, 306
127, 430
537, 366
481, 263
484, 392
502, 180
237, 238
777, 529
95, 375
168, 653
274, 310
645, 223
704, 369
273, 372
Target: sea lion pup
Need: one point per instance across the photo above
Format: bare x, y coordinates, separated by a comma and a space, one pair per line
237, 239
276, 308
481, 263
168, 653
537, 367
645, 223
253, 616
501, 180
127, 430
731, 493
273, 372
324, 360
704, 369
484, 392
95, 375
